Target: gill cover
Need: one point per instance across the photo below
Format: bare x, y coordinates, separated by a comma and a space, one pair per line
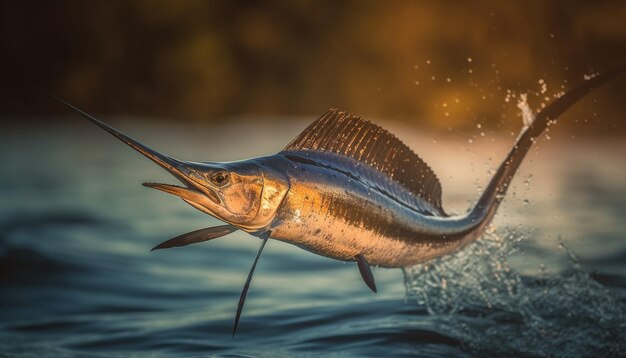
249, 194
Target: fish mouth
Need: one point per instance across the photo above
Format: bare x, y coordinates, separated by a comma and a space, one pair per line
187, 193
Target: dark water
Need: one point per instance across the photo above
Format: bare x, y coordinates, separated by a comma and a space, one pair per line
77, 277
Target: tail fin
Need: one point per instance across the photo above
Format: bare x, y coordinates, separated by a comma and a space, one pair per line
486, 207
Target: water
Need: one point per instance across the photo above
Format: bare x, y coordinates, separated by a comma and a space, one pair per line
77, 277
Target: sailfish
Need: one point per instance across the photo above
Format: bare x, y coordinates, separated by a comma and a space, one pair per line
346, 189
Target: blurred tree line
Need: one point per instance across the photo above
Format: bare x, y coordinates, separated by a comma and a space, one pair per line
444, 63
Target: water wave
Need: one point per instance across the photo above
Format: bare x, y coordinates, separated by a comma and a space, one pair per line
494, 309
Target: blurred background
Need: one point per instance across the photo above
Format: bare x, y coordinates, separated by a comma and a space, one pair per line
438, 63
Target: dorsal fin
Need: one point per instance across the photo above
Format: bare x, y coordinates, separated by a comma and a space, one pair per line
351, 136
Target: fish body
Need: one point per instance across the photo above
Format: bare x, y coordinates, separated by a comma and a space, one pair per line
339, 209
339, 203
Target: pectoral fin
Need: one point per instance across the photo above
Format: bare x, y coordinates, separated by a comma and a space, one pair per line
366, 272
197, 236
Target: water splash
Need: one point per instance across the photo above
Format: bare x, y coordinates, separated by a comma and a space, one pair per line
528, 117
490, 307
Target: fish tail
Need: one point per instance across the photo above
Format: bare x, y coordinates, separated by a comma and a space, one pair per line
490, 200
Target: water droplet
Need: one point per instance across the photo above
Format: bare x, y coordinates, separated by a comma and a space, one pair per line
527, 114
479, 126
469, 59
528, 180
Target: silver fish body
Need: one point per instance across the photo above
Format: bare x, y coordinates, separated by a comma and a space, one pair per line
338, 208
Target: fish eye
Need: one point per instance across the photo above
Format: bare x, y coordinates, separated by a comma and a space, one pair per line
220, 178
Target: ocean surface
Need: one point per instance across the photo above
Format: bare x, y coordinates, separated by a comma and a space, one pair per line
77, 277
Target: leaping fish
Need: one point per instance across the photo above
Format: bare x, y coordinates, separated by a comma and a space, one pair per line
344, 188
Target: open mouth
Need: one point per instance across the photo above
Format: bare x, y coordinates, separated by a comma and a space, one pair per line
186, 193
